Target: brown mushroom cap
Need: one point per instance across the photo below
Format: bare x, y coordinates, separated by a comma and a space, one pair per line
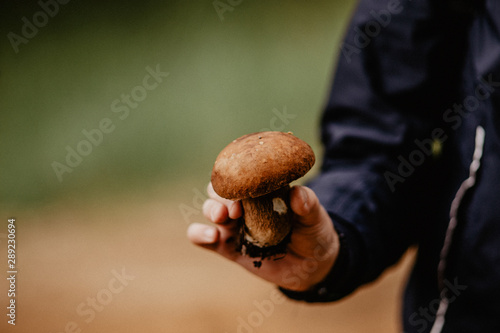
260, 163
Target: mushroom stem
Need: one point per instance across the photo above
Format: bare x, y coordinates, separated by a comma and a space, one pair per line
267, 222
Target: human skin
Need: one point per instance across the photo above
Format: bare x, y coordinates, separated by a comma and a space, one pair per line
311, 253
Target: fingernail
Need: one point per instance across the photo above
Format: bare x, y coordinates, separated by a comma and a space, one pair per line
232, 209
209, 234
304, 197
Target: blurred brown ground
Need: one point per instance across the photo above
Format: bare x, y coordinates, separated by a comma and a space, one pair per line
67, 253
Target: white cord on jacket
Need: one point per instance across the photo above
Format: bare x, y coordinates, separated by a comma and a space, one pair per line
466, 185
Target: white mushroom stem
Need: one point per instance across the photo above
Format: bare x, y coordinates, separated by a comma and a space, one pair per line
268, 218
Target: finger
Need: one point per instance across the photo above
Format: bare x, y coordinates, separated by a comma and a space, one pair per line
221, 240
306, 206
215, 211
201, 234
234, 208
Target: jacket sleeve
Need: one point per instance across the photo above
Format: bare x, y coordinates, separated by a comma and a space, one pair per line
398, 70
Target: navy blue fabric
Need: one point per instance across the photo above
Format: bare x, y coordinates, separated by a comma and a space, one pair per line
410, 72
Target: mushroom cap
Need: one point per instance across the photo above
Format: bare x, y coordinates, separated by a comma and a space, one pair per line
259, 163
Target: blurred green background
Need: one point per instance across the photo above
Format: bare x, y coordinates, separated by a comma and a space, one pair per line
230, 73
126, 205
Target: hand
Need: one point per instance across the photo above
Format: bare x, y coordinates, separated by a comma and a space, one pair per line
311, 252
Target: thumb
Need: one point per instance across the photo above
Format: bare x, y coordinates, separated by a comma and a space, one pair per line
306, 206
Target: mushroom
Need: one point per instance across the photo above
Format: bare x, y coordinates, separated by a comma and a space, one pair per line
257, 169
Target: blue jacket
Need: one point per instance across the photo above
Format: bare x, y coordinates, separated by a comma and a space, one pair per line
411, 135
